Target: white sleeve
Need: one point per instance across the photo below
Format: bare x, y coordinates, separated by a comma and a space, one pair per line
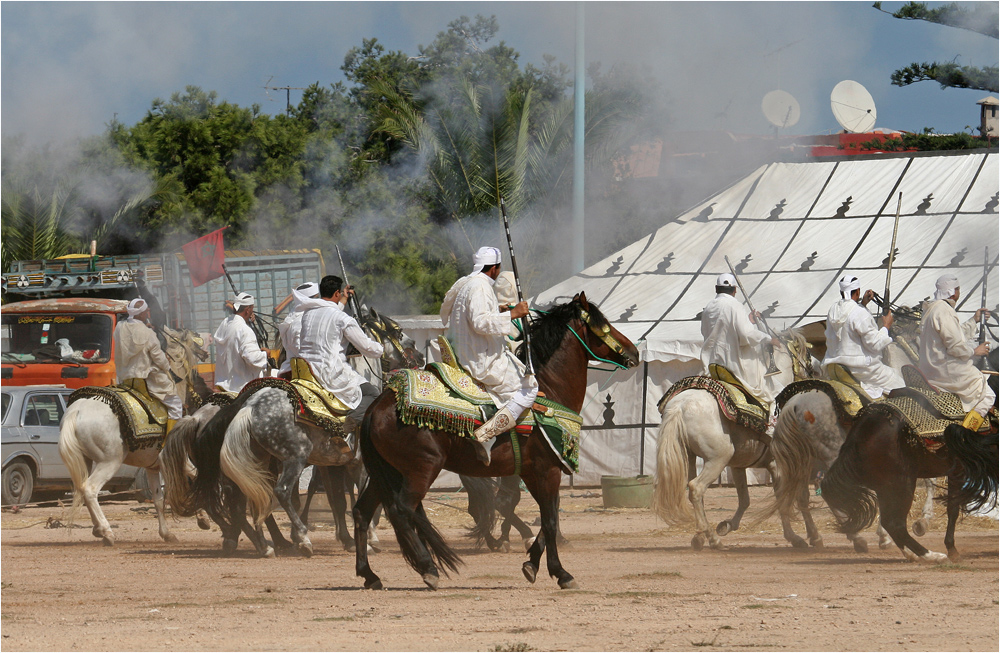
486, 317
249, 349
357, 337
873, 338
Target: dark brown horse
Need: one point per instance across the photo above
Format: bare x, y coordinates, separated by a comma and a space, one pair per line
404, 460
878, 467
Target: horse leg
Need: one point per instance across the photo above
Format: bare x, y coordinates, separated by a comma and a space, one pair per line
743, 498
157, 490
203, 520
953, 508
920, 526
710, 471
364, 510
812, 532
333, 481
894, 500
288, 482
544, 487
884, 540
277, 537
102, 473
313, 487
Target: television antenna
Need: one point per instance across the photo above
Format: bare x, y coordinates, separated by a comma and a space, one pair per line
853, 107
288, 93
781, 109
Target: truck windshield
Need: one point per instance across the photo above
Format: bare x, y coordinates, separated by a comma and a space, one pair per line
52, 338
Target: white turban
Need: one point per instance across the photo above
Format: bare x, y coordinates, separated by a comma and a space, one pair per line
946, 286
137, 306
485, 256
725, 280
849, 283
243, 299
506, 288
305, 291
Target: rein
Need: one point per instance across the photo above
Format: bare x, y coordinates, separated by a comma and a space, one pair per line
604, 333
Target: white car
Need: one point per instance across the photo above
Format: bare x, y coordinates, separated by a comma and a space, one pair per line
30, 429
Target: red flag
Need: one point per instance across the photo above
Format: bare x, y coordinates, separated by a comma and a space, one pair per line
205, 257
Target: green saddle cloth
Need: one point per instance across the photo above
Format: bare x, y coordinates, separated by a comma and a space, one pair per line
438, 397
142, 420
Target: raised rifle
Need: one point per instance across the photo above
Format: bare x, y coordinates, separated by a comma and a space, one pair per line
892, 258
983, 362
772, 368
258, 332
351, 296
517, 285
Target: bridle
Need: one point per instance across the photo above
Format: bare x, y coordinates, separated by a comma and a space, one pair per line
603, 332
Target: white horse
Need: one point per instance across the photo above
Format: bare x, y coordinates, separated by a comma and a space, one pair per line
693, 425
90, 433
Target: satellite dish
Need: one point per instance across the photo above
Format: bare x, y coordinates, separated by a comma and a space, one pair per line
853, 107
780, 109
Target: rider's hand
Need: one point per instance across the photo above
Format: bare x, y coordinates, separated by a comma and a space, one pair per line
775, 342
519, 310
982, 350
754, 316
867, 297
980, 313
887, 320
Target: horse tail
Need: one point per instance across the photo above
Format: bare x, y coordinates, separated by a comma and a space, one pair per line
174, 461
238, 461
854, 506
482, 506
794, 453
669, 493
71, 451
977, 455
409, 524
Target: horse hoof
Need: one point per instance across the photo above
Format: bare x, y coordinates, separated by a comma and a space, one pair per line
373, 584
229, 547
569, 584
920, 527
204, 524
431, 580
953, 556
698, 542
817, 543
269, 552
170, 537
373, 550
528, 543
724, 528
884, 544
306, 549
505, 547
798, 543
933, 558
717, 545
108, 541
860, 545
530, 571
349, 546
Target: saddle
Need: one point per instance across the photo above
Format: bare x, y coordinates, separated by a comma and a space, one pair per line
142, 419
847, 399
840, 374
736, 404
443, 397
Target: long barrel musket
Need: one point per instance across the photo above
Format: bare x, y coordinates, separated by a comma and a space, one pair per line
772, 368
258, 332
517, 285
892, 257
347, 284
983, 363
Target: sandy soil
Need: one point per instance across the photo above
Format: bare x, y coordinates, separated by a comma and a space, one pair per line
642, 588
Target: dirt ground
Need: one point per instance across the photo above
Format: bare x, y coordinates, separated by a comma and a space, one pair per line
642, 587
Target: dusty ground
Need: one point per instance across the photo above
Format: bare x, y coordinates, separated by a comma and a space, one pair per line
642, 588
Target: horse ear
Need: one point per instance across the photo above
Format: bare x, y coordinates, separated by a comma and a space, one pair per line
583, 299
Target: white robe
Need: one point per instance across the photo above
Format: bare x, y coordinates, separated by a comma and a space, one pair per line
326, 329
853, 340
138, 356
732, 341
946, 356
477, 330
238, 358
289, 330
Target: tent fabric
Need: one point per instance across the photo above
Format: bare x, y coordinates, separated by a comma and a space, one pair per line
791, 230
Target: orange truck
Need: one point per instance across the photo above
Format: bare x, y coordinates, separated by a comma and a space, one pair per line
58, 315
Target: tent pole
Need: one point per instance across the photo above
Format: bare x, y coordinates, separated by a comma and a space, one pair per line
642, 432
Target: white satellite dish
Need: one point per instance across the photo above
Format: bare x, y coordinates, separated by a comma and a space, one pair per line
853, 107
780, 109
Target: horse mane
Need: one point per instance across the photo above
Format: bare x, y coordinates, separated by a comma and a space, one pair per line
549, 329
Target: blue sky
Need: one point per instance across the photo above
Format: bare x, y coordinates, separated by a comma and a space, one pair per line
69, 68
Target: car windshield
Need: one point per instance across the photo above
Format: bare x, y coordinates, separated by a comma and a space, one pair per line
6, 406
47, 338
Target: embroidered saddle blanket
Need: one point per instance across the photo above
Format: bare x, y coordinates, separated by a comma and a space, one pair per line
142, 420
847, 400
445, 398
736, 405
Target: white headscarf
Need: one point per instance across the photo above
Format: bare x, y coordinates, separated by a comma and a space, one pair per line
485, 256
243, 299
946, 285
305, 291
137, 306
849, 283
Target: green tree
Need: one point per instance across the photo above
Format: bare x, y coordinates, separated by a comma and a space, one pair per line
979, 17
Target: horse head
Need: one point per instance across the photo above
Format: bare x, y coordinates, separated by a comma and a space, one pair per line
602, 341
399, 349
185, 349
796, 356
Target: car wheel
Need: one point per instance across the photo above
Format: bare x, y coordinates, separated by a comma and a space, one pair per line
18, 483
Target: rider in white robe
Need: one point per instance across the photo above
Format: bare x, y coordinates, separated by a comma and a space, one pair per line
946, 355
138, 356
238, 358
477, 330
854, 341
291, 326
326, 330
732, 341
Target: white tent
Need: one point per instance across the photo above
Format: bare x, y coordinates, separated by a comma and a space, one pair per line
791, 230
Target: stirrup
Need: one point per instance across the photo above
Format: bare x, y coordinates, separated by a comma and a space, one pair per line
503, 421
973, 421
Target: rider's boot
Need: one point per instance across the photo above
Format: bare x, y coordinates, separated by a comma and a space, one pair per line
502, 422
973, 420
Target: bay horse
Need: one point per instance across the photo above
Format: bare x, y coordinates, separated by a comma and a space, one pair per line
403, 460
692, 425
90, 434
877, 468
